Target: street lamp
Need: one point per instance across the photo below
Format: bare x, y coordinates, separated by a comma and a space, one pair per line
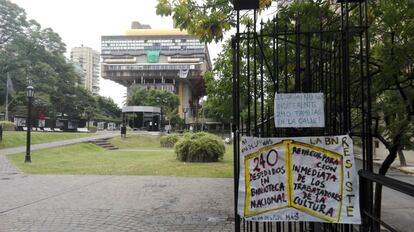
158, 100
185, 110
160, 103
29, 94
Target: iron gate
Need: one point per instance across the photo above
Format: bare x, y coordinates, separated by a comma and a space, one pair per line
290, 54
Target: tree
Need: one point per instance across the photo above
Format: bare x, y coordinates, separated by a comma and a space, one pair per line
208, 20
166, 100
107, 108
153, 97
393, 42
391, 33
219, 87
31, 55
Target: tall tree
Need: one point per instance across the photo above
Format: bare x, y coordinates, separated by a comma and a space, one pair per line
219, 87
166, 100
31, 55
393, 47
208, 19
107, 108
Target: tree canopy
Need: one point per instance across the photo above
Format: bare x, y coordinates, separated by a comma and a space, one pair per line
392, 36
166, 100
32, 55
208, 20
391, 31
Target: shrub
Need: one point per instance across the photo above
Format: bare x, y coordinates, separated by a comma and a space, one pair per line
7, 126
93, 129
197, 135
199, 147
169, 140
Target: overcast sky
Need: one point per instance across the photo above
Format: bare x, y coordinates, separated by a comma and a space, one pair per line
83, 22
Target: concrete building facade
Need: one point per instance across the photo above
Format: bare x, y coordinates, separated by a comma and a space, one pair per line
167, 59
89, 60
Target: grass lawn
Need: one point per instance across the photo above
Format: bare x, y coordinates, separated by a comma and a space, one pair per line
138, 155
18, 138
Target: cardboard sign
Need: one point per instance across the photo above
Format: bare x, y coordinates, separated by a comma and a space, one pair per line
299, 110
298, 179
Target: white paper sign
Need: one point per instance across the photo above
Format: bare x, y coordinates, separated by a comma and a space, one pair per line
298, 179
299, 110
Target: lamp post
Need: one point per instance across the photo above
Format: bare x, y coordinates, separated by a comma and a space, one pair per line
185, 110
158, 100
161, 129
29, 94
160, 103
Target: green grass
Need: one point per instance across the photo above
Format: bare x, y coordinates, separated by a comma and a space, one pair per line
138, 155
136, 141
18, 138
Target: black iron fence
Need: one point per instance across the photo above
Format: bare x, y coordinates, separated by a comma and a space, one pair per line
323, 48
367, 179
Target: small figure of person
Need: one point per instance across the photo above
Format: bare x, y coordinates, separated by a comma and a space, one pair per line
123, 131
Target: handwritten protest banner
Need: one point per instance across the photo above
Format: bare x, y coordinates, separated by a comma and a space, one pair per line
299, 110
298, 179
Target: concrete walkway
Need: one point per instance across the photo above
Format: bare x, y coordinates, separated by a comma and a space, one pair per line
115, 203
34, 147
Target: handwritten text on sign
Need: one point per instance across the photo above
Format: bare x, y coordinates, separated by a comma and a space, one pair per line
299, 110
298, 179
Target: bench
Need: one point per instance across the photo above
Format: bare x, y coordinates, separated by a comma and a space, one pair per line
83, 130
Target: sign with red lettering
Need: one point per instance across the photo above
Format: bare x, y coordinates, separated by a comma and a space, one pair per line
298, 179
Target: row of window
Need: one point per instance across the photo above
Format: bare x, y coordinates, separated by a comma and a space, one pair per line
150, 67
139, 44
153, 47
120, 41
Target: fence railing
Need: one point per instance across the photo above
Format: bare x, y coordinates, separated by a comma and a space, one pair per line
368, 178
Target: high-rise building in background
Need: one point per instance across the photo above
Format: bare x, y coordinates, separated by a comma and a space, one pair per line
89, 61
167, 59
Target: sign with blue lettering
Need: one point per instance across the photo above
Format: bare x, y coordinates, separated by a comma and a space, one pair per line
299, 110
298, 179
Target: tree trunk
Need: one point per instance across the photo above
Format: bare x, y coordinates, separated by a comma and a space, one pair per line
403, 161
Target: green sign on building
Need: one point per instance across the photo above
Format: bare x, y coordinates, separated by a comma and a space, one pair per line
153, 56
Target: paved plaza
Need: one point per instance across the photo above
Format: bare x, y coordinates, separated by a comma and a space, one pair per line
114, 203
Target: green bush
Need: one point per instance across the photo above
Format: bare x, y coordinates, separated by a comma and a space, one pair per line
199, 147
93, 129
169, 140
197, 135
7, 126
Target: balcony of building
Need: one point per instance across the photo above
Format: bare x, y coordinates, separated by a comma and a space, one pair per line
167, 87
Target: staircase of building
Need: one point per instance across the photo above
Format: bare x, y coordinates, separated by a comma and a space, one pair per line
104, 144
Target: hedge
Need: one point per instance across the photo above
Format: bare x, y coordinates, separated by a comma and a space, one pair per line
199, 147
93, 129
7, 126
169, 140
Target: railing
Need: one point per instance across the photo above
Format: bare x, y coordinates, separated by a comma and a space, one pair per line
366, 178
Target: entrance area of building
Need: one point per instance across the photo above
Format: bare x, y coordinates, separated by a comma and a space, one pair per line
142, 117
